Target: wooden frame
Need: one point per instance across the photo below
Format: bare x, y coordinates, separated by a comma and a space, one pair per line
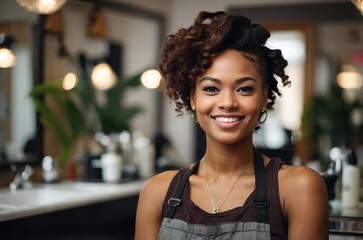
302, 148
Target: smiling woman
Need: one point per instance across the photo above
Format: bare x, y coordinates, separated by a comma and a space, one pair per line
221, 69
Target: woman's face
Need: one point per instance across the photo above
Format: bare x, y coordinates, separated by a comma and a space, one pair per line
229, 97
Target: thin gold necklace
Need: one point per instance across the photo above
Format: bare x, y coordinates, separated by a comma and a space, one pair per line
215, 209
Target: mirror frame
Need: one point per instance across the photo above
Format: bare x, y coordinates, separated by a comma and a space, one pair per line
37, 36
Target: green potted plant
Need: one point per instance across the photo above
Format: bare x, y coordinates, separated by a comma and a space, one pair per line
69, 113
330, 116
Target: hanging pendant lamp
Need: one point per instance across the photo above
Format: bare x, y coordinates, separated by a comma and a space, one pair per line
7, 56
42, 6
359, 5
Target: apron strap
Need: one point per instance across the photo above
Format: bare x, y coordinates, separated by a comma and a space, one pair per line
175, 201
260, 202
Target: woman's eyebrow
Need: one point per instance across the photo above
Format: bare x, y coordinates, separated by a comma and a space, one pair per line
210, 79
244, 79
239, 80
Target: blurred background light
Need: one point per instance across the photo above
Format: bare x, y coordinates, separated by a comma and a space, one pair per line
70, 81
41, 6
359, 5
349, 77
151, 79
7, 58
103, 77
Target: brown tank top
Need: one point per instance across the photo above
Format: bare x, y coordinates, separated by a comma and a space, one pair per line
191, 213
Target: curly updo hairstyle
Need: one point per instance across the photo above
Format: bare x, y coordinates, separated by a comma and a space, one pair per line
188, 54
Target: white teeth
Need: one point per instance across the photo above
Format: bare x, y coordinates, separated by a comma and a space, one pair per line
227, 119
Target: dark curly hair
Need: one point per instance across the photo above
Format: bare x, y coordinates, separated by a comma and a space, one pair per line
188, 54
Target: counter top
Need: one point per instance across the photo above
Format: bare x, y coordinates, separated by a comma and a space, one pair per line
345, 221
47, 198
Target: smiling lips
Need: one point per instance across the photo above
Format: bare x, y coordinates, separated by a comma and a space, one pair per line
228, 122
227, 119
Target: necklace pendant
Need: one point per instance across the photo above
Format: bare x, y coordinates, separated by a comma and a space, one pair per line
215, 210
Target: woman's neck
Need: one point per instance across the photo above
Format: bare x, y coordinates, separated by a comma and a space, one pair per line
228, 158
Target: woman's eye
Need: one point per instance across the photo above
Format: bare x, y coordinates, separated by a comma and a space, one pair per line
245, 89
210, 89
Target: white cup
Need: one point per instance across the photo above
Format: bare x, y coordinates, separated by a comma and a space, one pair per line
111, 164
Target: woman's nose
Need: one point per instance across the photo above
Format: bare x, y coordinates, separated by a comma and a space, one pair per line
227, 101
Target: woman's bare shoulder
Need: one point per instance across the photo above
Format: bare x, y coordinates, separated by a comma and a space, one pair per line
159, 182
301, 187
149, 209
304, 198
299, 176
153, 193
299, 179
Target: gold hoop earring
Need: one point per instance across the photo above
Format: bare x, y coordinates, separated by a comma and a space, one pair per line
264, 116
194, 116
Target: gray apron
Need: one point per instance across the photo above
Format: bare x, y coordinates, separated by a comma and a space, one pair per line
176, 229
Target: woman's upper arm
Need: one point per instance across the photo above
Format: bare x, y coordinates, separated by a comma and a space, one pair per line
149, 208
305, 201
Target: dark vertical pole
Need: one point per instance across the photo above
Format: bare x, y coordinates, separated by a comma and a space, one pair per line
159, 136
38, 72
115, 57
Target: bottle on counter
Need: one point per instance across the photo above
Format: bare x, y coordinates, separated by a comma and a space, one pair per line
144, 155
350, 182
111, 164
50, 170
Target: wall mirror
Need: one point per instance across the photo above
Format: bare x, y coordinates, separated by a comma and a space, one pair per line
18, 121
137, 32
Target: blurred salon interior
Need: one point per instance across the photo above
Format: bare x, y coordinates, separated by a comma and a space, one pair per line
83, 123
